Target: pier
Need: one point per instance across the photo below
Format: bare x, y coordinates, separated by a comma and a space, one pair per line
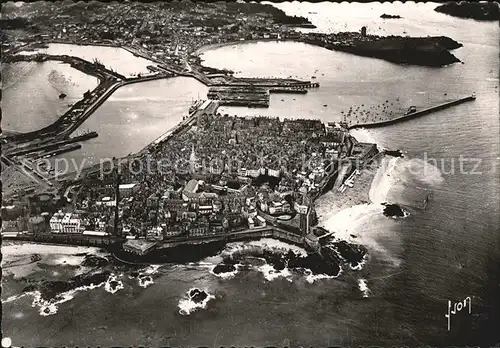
415, 114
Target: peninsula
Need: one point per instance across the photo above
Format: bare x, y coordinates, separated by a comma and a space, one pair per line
213, 178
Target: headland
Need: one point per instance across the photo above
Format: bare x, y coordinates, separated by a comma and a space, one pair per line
485, 11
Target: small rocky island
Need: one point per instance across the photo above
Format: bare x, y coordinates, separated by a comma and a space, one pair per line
389, 16
486, 11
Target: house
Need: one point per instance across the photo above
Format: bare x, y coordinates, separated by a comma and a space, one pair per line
261, 221
251, 223
190, 189
56, 222
71, 223
127, 189
155, 233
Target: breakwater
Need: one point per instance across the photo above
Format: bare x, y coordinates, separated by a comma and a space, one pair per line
413, 114
80, 111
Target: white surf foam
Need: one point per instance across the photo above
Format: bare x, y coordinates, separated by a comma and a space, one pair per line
264, 243
363, 286
14, 298
50, 307
226, 275
145, 281
311, 278
271, 274
109, 288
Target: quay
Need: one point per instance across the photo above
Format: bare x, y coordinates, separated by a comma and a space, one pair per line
415, 114
109, 240
109, 82
248, 234
207, 106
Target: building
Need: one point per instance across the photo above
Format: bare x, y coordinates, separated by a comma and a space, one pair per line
199, 230
155, 233
261, 221
17, 225
127, 189
189, 191
205, 209
56, 222
276, 208
107, 201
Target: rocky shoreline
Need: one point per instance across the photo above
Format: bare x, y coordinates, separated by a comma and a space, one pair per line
425, 51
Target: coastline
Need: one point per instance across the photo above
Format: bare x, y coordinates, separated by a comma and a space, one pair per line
342, 213
202, 49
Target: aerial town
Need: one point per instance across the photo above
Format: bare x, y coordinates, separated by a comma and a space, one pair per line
250, 172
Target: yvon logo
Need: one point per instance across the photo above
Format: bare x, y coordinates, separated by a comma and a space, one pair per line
457, 307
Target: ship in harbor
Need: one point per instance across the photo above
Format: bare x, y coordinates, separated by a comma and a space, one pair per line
195, 105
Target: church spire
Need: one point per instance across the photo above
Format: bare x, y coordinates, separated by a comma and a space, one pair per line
192, 159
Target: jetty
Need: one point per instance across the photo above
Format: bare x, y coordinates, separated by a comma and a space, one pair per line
415, 114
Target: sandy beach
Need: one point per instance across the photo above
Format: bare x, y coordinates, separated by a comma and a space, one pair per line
356, 215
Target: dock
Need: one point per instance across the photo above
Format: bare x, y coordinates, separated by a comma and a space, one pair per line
415, 114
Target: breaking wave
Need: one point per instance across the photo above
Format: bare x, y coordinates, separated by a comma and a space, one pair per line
145, 276
113, 284
270, 273
363, 287
225, 271
50, 307
275, 259
47, 296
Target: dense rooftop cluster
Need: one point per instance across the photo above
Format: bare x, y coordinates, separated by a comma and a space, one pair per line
261, 170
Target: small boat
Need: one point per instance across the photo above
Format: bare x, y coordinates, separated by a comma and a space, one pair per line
426, 200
